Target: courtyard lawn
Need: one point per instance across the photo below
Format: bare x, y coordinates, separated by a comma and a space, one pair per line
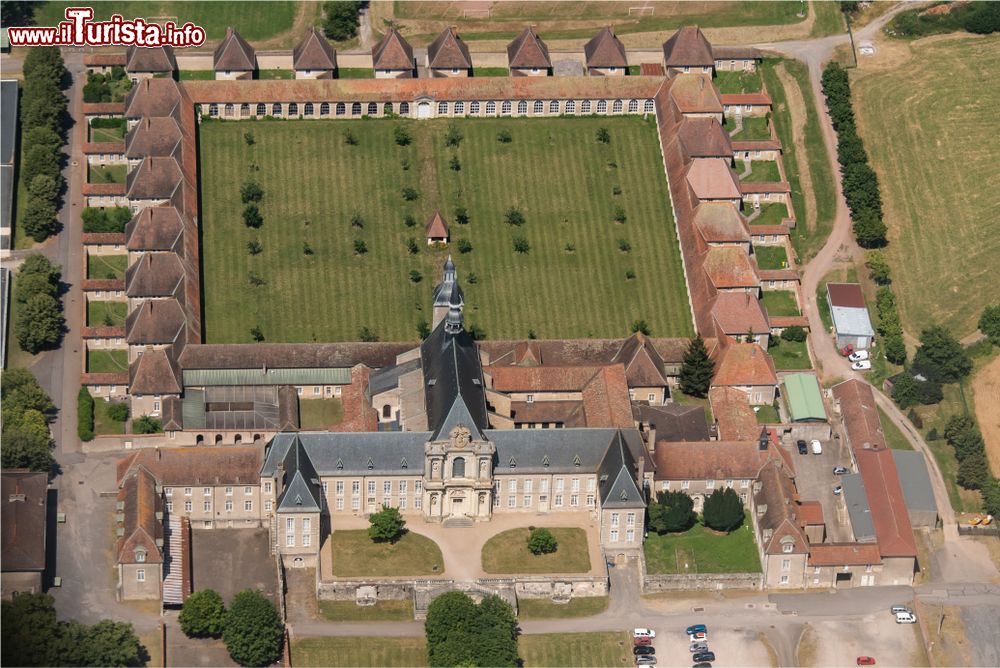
106, 266
104, 424
275, 74
894, 438
941, 195
543, 608
102, 135
197, 75
767, 415
738, 81
701, 550
316, 287
107, 361
576, 649
320, 414
764, 171
507, 553
489, 71
770, 214
355, 73
357, 555
383, 611
771, 257
754, 127
688, 400
780, 302
100, 314
790, 355
359, 651
106, 173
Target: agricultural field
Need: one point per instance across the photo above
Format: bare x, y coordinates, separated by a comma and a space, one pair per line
935, 161
583, 275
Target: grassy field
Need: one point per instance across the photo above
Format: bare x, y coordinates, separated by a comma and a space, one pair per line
554, 171
196, 75
762, 171
933, 150
106, 313
106, 266
543, 608
771, 257
507, 552
893, 436
104, 424
383, 611
770, 214
359, 651
107, 174
100, 135
355, 554
576, 649
780, 302
107, 361
790, 355
320, 414
701, 550
275, 74
489, 71
754, 127
737, 81
355, 73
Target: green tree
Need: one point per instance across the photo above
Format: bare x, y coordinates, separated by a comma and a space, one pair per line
423, 329
39, 324
940, 356
895, 348
341, 19
504, 137
144, 424
203, 614
991, 497
905, 391
387, 525
793, 333
29, 628
106, 643
461, 215
671, 512
541, 541
640, 326
40, 217
29, 285
40, 161
496, 633
118, 411
521, 245
989, 323
973, 471
44, 187
870, 231
402, 135
84, 415
723, 510
252, 217
453, 137
450, 641
603, 136
697, 369
253, 631
251, 192
878, 267
27, 443
513, 216
44, 62
20, 389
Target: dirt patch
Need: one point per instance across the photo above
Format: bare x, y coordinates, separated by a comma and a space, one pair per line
986, 389
305, 17
808, 647
945, 634
797, 109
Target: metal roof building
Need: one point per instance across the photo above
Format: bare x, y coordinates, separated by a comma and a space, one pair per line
805, 402
917, 490
851, 322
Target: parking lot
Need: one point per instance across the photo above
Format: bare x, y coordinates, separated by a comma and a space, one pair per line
815, 479
840, 643
732, 647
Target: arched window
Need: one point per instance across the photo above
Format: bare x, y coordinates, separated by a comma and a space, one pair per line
491, 108
373, 108
261, 109
229, 110
324, 109
522, 107
238, 438
404, 108
585, 107
602, 106
293, 109
387, 109
218, 439
341, 109
356, 109
199, 439
387, 411
505, 108
571, 106
442, 108
458, 468
617, 107
213, 110
474, 108
554, 107
244, 110
276, 109
649, 107
459, 108
633, 106
309, 109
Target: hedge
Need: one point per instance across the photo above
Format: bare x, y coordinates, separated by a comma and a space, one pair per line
108, 123
85, 415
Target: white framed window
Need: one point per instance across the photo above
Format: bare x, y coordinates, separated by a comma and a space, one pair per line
554, 107
402, 503
633, 106
685, 484
505, 108
512, 485
602, 106
744, 484
787, 547
474, 108
290, 540
267, 487
630, 535
140, 556
187, 491
491, 108
526, 501
570, 106
207, 506
371, 488
418, 486
590, 500
187, 506
339, 487
140, 575
558, 500
206, 491
213, 110
614, 535
527, 486
574, 499
615, 519
560, 484
784, 579
543, 485
575, 485
386, 487
511, 501
443, 108
585, 107
538, 107
630, 520
686, 69
355, 487
418, 502
229, 491
459, 108
268, 505
616, 107
664, 485
168, 491
339, 504
248, 506
355, 503
298, 391
170, 506
709, 484
530, 398
317, 390
229, 505
729, 484
402, 487
786, 564
247, 491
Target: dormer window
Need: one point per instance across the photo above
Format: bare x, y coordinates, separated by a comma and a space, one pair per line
787, 547
140, 556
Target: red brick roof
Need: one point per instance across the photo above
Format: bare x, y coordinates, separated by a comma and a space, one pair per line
756, 145
112, 147
769, 230
102, 332
103, 189
392, 52
756, 99
94, 108
844, 554
155, 228
688, 47
102, 238
155, 178
314, 52
736, 53
448, 51
848, 295
155, 321
157, 60
651, 70
788, 274
708, 460
721, 222
25, 498
860, 414
788, 321
605, 50
730, 267
748, 188
157, 96
154, 373
103, 59
695, 94
745, 364
197, 466
156, 137
704, 138
712, 178
140, 526
811, 513
436, 228
528, 51
101, 284
234, 53
739, 313
104, 378
886, 501
731, 409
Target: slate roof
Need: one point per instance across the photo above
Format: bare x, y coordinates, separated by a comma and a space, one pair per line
733, 413
745, 364
617, 475
154, 178
141, 528
8, 122
155, 228
453, 382
436, 227
528, 51
292, 355
234, 54
353, 453
392, 52
674, 422
554, 450
156, 60
738, 313
713, 178
197, 466
387, 378
688, 47
721, 222
301, 492
25, 507
154, 373
703, 137
154, 275
156, 321
448, 51
158, 137
314, 52
916, 482
605, 50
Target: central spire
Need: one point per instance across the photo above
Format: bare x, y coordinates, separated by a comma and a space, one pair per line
448, 298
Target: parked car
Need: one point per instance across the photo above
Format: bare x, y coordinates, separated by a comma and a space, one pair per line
645, 660
640, 650
847, 350
840, 470
698, 637
863, 365
702, 664
866, 661
704, 656
699, 647
858, 355
697, 628
817, 447
906, 618
642, 640
838, 490
900, 608
648, 633
802, 447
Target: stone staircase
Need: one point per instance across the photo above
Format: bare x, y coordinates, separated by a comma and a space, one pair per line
458, 523
176, 583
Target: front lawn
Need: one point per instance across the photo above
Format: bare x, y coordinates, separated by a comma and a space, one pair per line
597, 650
543, 608
106, 266
108, 135
106, 173
355, 73
767, 415
507, 553
489, 71
106, 314
104, 424
780, 302
275, 74
362, 651
107, 361
197, 75
738, 81
771, 257
357, 555
770, 214
383, 611
790, 355
320, 414
754, 127
764, 171
701, 550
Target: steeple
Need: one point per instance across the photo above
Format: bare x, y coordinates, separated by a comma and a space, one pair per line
455, 321
448, 295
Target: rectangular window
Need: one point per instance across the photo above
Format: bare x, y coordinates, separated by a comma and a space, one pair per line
630, 535
402, 487
530, 399
574, 499
140, 575
248, 506
686, 484
316, 390
560, 483
418, 486
744, 484
630, 520
208, 506
418, 502
229, 491
386, 487
206, 491
729, 484
268, 505
402, 503
709, 484
290, 524
339, 487
527, 486
170, 506
511, 501
558, 501
784, 579
355, 487
590, 500
543, 486
526, 501
575, 485
355, 503
614, 535
591, 484
512, 485
786, 564
306, 527
187, 506
168, 491
614, 519
651, 397
229, 506
371, 488
247, 491
339, 503
290, 540
267, 487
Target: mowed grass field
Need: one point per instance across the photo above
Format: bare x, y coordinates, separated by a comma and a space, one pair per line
931, 134
572, 283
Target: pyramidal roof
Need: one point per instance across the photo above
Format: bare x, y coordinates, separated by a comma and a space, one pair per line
314, 53
392, 52
436, 226
528, 51
143, 59
301, 494
688, 47
234, 53
448, 51
605, 50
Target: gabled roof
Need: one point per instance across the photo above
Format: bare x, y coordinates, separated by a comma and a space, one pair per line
643, 364
721, 222
745, 364
314, 52
739, 313
154, 275
448, 51
156, 137
733, 414
154, 178
143, 59
730, 267
528, 51
292, 355
844, 554
25, 503
674, 422
695, 94
886, 502
804, 398
703, 137
709, 460
156, 96
155, 228
847, 295
301, 493
713, 178
860, 414
140, 525
207, 465
436, 228
392, 52
352, 453
605, 50
156, 321
617, 477
688, 47
154, 373
778, 499
453, 383
234, 53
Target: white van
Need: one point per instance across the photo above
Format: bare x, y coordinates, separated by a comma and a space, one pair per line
906, 618
817, 447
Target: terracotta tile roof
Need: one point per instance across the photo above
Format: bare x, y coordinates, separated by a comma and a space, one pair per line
102, 238
154, 373
605, 50
358, 412
810, 513
844, 554
102, 332
736, 53
770, 230
25, 499
673, 422
708, 460
721, 222
528, 51
577, 352
96, 108
778, 498
154, 178
712, 178
157, 96
606, 400
188, 467
155, 228
139, 524
142, 59
756, 145
104, 378
860, 414
745, 364
314, 52
731, 409
292, 355
788, 274
448, 51
893, 530
234, 54
171, 414
154, 275
156, 321
672, 351
107, 147
730, 267
754, 99
103, 189
436, 228
739, 313
643, 365
103, 59
704, 138
695, 94
102, 284
688, 47
540, 378
788, 321
848, 295
651, 69
392, 52
748, 188
569, 414
157, 137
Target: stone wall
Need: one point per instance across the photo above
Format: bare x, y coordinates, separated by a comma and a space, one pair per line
701, 582
561, 589
346, 590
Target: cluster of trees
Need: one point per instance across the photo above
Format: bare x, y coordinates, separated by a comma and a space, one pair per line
341, 19
858, 178
989, 323
26, 410
889, 325
461, 633
40, 322
982, 18
723, 510
110, 87
33, 637
43, 124
697, 369
84, 415
105, 219
939, 359
963, 435
250, 628
671, 512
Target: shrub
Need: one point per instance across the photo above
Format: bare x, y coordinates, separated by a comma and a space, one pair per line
940, 356
118, 411
84, 415
794, 333
248, 138
386, 526
513, 216
641, 326
629, 274
145, 424
464, 246
878, 267
619, 215
504, 137
203, 615
349, 138
252, 217
251, 192
453, 137
360, 247
603, 136
723, 510
624, 246
461, 215
455, 164
409, 221
402, 135
415, 276
472, 278
411, 246
367, 335
256, 334
357, 221
521, 245
671, 512
255, 279
409, 193
541, 541
111, 219
933, 435
254, 247
307, 249
989, 323
405, 164
40, 220
423, 329
570, 248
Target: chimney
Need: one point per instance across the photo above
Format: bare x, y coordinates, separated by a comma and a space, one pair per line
651, 439
157, 454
